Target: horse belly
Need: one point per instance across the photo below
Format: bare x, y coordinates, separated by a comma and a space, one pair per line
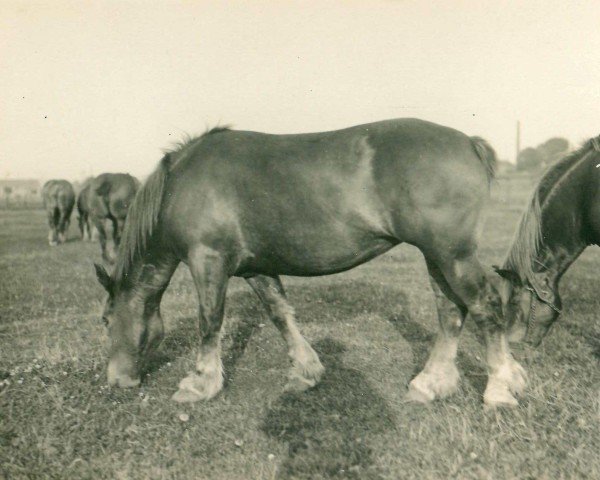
312, 255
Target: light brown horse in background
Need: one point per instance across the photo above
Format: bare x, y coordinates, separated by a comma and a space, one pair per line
257, 206
108, 198
59, 198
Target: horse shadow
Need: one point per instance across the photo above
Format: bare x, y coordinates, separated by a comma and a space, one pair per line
327, 428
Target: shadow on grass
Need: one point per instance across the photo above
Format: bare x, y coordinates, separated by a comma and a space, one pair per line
327, 428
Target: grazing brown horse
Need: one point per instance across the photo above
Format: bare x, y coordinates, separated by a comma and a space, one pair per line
59, 199
83, 210
109, 198
257, 206
563, 218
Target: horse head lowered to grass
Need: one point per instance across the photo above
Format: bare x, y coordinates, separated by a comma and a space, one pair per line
257, 206
563, 218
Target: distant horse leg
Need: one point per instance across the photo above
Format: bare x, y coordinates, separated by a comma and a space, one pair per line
52, 222
306, 367
439, 378
63, 226
210, 278
99, 224
468, 280
81, 222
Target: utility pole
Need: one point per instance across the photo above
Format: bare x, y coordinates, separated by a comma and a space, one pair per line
518, 141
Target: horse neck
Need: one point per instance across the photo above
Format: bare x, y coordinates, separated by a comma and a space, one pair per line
563, 228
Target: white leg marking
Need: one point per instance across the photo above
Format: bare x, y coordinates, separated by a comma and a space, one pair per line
506, 379
307, 369
206, 382
439, 378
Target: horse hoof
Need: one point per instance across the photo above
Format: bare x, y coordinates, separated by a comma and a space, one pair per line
185, 396
53, 243
507, 401
197, 387
498, 397
297, 384
416, 395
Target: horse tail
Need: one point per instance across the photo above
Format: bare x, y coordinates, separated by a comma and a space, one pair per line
487, 155
142, 217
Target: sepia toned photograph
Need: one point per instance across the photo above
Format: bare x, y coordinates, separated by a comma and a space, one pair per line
299, 240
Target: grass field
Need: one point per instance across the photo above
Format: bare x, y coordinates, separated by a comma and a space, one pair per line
372, 327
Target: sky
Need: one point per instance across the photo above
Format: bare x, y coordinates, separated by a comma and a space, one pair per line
94, 86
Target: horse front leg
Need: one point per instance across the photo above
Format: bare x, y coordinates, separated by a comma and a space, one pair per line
208, 269
440, 377
307, 369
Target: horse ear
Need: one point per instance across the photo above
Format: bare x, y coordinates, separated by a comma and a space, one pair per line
509, 275
103, 277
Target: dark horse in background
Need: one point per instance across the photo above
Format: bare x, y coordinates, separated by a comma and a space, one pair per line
59, 198
257, 206
108, 199
83, 211
563, 218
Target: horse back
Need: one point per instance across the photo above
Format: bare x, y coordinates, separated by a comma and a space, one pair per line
305, 202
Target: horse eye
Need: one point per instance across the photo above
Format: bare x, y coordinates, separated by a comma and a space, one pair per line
105, 321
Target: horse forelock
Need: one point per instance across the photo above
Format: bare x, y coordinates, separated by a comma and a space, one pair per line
528, 237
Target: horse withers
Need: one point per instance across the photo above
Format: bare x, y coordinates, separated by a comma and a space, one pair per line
108, 199
59, 198
257, 206
562, 219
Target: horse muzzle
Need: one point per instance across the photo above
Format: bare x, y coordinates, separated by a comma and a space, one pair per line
120, 377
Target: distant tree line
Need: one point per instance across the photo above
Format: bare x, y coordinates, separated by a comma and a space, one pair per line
534, 158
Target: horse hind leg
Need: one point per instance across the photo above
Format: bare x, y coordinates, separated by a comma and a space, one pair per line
440, 377
469, 281
63, 226
208, 269
99, 224
307, 369
52, 223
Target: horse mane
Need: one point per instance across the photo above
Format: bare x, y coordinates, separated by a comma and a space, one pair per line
528, 237
144, 212
188, 140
